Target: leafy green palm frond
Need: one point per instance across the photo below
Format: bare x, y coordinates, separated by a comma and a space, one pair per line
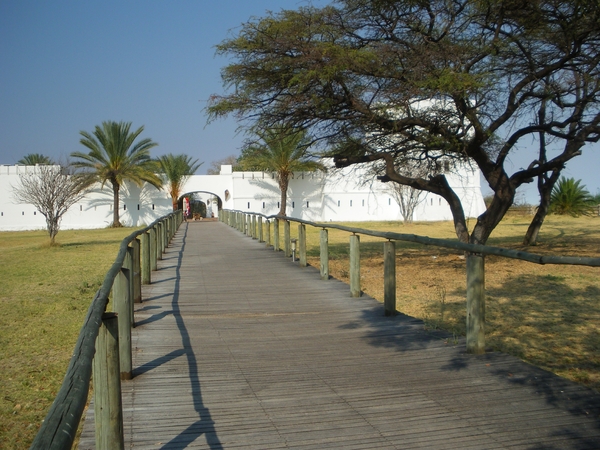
176, 169
115, 157
35, 158
570, 197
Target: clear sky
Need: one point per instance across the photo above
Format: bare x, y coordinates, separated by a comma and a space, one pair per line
66, 66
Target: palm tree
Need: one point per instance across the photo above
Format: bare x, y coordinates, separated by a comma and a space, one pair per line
568, 197
35, 158
114, 157
282, 150
176, 169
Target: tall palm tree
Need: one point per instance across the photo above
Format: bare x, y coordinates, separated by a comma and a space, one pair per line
114, 157
281, 149
176, 169
35, 158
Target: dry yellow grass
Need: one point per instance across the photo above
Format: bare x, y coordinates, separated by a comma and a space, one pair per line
46, 292
546, 315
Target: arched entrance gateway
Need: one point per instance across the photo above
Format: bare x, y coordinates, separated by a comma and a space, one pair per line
200, 205
206, 195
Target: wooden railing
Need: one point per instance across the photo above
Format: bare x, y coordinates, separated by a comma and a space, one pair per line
104, 344
252, 224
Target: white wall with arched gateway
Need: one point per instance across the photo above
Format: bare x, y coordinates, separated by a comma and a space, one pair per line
337, 196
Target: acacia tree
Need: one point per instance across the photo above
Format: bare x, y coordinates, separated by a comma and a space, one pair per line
382, 80
52, 190
280, 149
547, 180
115, 157
176, 170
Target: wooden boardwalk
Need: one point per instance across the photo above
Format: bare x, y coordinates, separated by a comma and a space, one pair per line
236, 347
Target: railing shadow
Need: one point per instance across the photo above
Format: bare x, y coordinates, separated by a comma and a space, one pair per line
404, 334
204, 425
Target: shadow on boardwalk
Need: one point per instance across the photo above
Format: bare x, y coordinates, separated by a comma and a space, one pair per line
236, 347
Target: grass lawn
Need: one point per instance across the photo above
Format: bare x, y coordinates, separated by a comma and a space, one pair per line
547, 315
44, 298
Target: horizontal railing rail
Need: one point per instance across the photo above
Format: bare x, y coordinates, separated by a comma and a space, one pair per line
251, 224
446, 243
59, 428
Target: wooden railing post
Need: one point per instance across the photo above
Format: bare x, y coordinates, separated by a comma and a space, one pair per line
475, 304
145, 255
254, 230
169, 229
324, 235
355, 265
128, 264
302, 245
108, 409
167, 223
287, 241
389, 278
267, 232
121, 305
260, 229
154, 248
165, 241
159, 240
276, 235
137, 269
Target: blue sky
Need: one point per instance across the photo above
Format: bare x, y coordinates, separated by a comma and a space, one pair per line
66, 66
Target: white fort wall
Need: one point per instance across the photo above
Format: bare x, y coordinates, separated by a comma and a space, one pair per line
95, 210
339, 195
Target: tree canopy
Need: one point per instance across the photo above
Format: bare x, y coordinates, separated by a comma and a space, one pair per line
52, 190
378, 80
176, 170
115, 157
280, 149
215, 166
570, 197
32, 159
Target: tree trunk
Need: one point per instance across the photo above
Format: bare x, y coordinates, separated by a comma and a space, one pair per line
284, 180
545, 189
486, 222
545, 186
116, 187
52, 225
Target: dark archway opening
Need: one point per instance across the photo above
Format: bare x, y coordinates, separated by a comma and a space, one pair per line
202, 205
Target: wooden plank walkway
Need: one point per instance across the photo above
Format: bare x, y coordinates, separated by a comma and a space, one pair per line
236, 347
